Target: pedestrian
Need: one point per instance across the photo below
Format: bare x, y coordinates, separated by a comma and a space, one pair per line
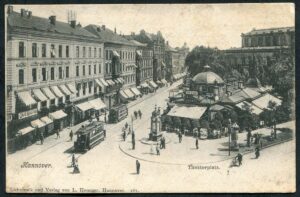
129, 130
57, 134
71, 135
135, 114
76, 168
126, 125
42, 138
157, 150
133, 144
197, 147
257, 152
239, 158
124, 135
161, 143
140, 114
133, 136
73, 160
151, 149
138, 167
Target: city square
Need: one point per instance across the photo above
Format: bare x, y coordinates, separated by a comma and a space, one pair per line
127, 113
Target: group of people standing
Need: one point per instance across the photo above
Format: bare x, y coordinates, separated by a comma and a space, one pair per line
137, 114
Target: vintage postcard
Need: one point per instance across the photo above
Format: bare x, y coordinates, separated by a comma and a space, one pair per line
135, 98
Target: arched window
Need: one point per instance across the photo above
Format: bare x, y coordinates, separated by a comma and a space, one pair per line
21, 76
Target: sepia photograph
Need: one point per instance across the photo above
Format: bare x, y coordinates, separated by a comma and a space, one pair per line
150, 98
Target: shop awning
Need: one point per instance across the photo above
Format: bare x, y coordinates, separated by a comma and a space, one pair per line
39, 95
25, 130
103, 82
97, 104
129, 93
163, 64
134, 65
158, 82
136, 91
123, 95
48, 93
116, 81
191, 112
37, 123
243, 106
72, 88
56, 91
121, 80
46, 120
115, 53
26, 98
65, 90
164, 81
153, 84
99, 83
57, 115
84, 106
145, 85
139, 52
110, 82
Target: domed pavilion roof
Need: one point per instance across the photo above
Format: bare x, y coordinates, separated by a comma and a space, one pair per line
207, 77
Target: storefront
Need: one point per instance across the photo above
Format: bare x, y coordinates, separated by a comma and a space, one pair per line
25, 137
53, 101
49, 125
39, 127
84, 111
145, 88
59, 118
99, 108
58, 94
152, 84
136, 92
130, 94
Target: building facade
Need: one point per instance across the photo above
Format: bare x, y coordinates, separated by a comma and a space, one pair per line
260, 45
50, 67
172, 59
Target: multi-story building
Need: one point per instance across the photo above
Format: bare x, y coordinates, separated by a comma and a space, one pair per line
183, 52
172, 58
260, 45
120, 60
157, 43
51, 68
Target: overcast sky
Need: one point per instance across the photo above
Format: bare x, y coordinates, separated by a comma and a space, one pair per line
211, 25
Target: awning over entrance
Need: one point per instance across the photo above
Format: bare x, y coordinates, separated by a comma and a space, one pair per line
164, 81
151, 83
84, 106
193, 112
72, 88
26, 98
136, 91
144, 85
263, 102
129, 93
110, 82
56, 91
37, 123
46, 120
65, 90
115, 53
57, 115
139, 52
38, 94
103, 82
99, 83
158, 82
48, 93
120, 79
97, 104
123, 95
25, 130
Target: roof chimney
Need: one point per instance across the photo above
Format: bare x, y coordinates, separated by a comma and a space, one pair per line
22, 12
10, 9
73, 23
103, 27
78, 25
52, 20
115, 30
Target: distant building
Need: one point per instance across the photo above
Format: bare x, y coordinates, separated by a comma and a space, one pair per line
51, 67
261, 45
172, 58
157, 43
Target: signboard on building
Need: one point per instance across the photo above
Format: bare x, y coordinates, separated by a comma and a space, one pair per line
26, 114
194, 93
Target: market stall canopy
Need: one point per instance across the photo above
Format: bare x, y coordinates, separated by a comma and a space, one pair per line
72, 88
37, 123
191, 112
48, 93
65, 90
263, 102
38, 93
26, 98
97, 104
46, 120
244, 105
57, 115
129, 93
25, 130
56, 91
136, 91
84, 106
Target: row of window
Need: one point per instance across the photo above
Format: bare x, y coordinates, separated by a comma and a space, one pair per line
87, 88
44, 74
63, 51
126, 55
90, 68
275, 40
129, 79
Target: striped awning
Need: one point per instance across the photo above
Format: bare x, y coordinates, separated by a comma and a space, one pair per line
103, 82
136, 91
37, 123
26, 98
46, 120
57, 115
153, 84
48, 93
129, 93
164, 81
39, 95
99, 83
121, 80
110, 82
26, 130
123, 95
56, 91
65, 90
84, 106
97, 104
145, 85
72, 88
